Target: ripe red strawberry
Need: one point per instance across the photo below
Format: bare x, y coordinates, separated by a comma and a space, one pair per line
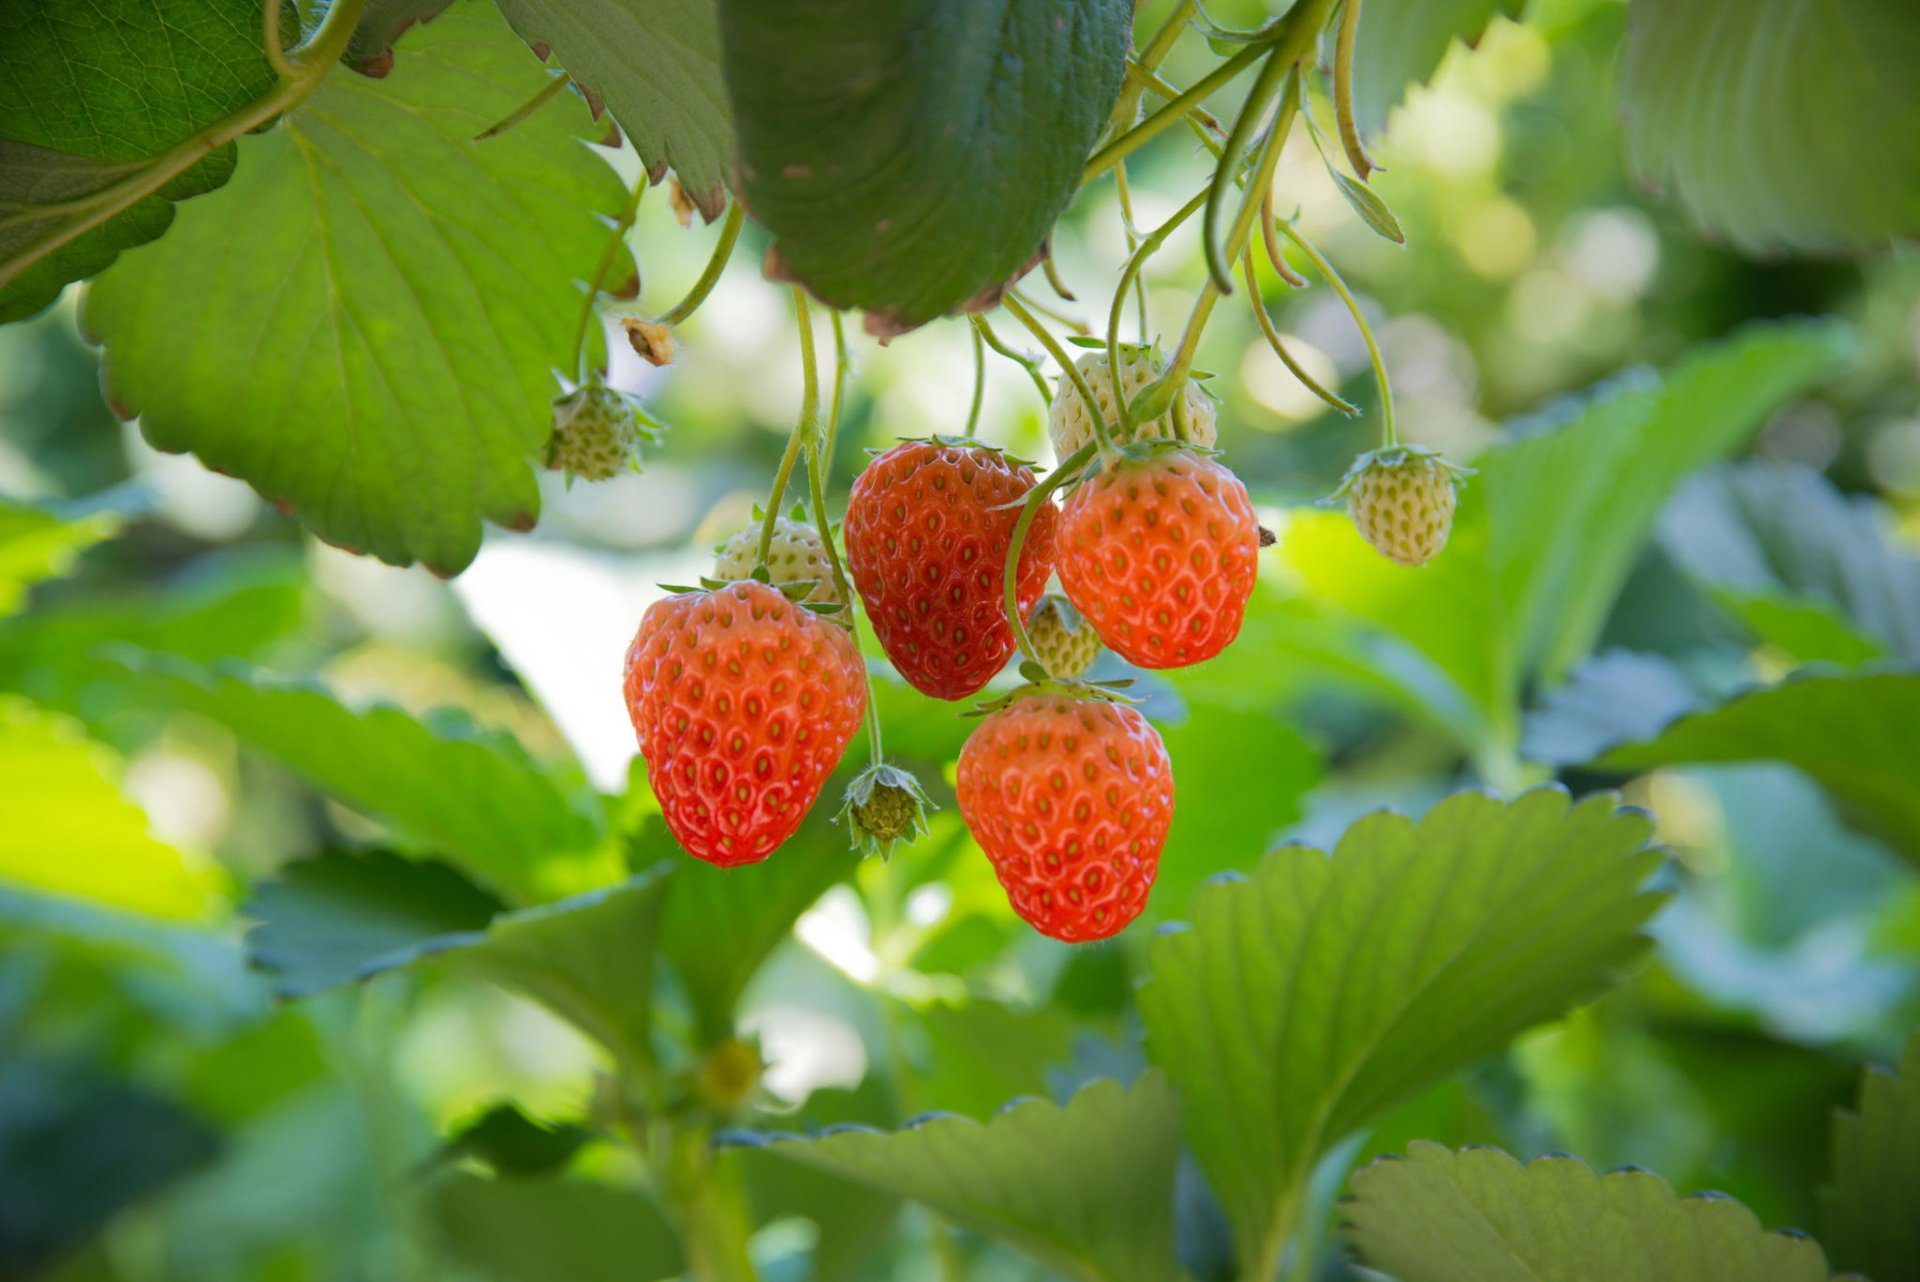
1071, 799
927, 531
743, 702
1159, 553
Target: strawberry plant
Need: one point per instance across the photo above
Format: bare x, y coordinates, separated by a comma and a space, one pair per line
1127, 642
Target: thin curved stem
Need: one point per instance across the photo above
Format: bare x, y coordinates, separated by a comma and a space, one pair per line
276, 53
1265, 89
1131, 273
1053, 314
841, 363
547, 94
710, 275
1281, 266
1279, 346
605, 265
979, 385
1101, 434
310, 65
1343, 90
1021, 359
1029, 509
1389, 433
1171, 114
803, 430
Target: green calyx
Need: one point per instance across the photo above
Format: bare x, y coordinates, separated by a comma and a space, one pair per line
884, 805
1039, 682
1390, 457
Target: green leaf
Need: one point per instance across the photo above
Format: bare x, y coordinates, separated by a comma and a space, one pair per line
1400, 43
854, 1223
341, 919
1799, 130
910, 156
656, 64
1612, 698
89, 92
365, 323
382, 22
1366, 202
541, 1230
1806, 568
68, 830
1548, 531
1480, 1216
1873, 1208
1306, 1001
1857, 735
723, 923
36, 544
1085, 1189
344, 918
981, 1053
512, 1143
474, 796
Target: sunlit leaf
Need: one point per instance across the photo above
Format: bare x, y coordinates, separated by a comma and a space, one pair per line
1855, 734
364, 325
469, 795
89, 92
1796, 129
1305, 1001
36, 544
1480, 1216
67, 829
656, 63
1873, 1207
1085, 1189
1401, 42
909, 156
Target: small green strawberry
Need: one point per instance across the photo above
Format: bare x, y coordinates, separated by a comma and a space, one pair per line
598, 431
1402, 499
1064, 643
1070, 427
796, 555
884, 805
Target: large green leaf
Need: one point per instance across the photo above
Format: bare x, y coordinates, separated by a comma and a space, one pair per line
1793, 127
656, 64
910, 156
722, 923
474, 796
1873, 1207
89, 92
1612, 698
1400, 44
1807, 568
1480, 1216
340, 919
1086, 1189
36, 544
67, 829
365, 323
1547, 532
1304, 1002
535, 1230
1855, 734
344, 918
980, 1054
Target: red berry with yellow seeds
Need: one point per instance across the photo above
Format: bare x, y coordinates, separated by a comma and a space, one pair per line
1071, 800
927, 531
1401, 499
1159, 554
744, 702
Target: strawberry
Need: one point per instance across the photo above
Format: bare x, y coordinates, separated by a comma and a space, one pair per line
927, 531
796, 555
1071, 799
743, 702
1158, 550
1064, 644
1070, 427
884, 805
1402, 500
598, 431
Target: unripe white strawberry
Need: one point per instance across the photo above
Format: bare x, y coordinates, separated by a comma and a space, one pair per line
598, 431
1402, 501
1066, 646
796, 555
1071, 428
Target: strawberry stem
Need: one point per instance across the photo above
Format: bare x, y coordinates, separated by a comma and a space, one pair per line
1025, 362
599, 280
804, 430
979, 386
1131, 274
710, 275
1343, 90
1099, 420
1069, 468
1389, 434
1279, 347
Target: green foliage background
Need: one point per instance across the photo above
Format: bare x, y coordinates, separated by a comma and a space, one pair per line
1685, 570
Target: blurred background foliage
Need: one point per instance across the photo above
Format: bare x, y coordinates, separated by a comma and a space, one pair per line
163, 1117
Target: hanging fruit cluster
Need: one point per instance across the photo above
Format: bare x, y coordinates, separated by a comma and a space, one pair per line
746, 691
